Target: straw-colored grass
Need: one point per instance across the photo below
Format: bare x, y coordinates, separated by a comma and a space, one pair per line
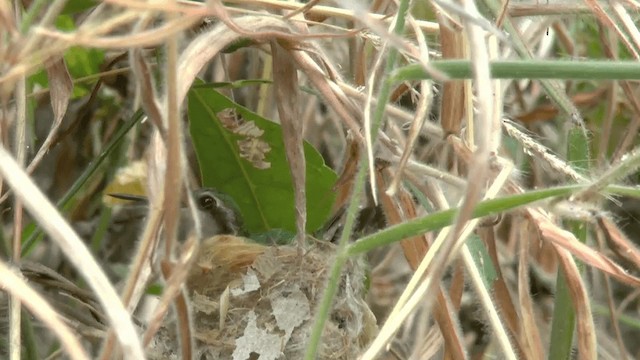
484, 201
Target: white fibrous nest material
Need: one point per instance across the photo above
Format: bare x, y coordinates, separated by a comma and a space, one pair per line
251, 301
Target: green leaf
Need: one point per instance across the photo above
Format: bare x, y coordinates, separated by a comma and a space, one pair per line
76, 6
483, 261
578, 149
262, 188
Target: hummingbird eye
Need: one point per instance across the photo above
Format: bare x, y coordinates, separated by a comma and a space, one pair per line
207, 201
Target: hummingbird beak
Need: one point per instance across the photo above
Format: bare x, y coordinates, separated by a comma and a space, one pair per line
130, 197
135, 199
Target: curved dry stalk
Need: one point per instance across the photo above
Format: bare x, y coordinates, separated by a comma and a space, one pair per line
175, 277
153, 37
567, 240
285, 81
61, 87
424, 107
16, 287
428, 27
75, 250
586, 333
529, 334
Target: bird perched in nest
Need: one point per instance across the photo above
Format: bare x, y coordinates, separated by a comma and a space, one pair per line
217, 215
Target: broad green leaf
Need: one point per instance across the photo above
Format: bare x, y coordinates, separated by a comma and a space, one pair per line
76, 6
226, 135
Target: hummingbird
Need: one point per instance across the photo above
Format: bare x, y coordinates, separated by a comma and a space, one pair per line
217, 213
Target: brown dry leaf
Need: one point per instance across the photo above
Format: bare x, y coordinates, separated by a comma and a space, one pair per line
344, 184
142, 73
619, 243
566, 240
547, 112
414, 250
501, 291
60, 88
586, 333
452, 107
285, 84
529, 333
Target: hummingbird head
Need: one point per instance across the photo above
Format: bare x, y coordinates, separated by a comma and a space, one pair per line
217, 212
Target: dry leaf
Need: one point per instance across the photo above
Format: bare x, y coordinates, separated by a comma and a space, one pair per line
566, 240
285, 81
60, 88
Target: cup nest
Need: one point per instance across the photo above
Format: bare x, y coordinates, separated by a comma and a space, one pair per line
252, 301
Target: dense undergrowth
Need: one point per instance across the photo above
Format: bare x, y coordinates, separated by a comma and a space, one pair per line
469, 170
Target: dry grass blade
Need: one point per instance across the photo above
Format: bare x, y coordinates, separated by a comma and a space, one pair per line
138, 275
332, 94
140, 39
147, 90
422, 113
478, 169
175, 279
619, 243
316, 71
285, 82
175, 168
75, 250
501, 291
586, 333
615, 323
606, 20
60, 88
414, 250
15, 286
6, 15
210, 43
628, 23
452, 106
566, 240
319, 10
529, 334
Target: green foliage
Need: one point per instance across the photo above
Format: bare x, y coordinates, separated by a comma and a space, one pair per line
76, 6
81, 61
578, 150
482, 260
262, 187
